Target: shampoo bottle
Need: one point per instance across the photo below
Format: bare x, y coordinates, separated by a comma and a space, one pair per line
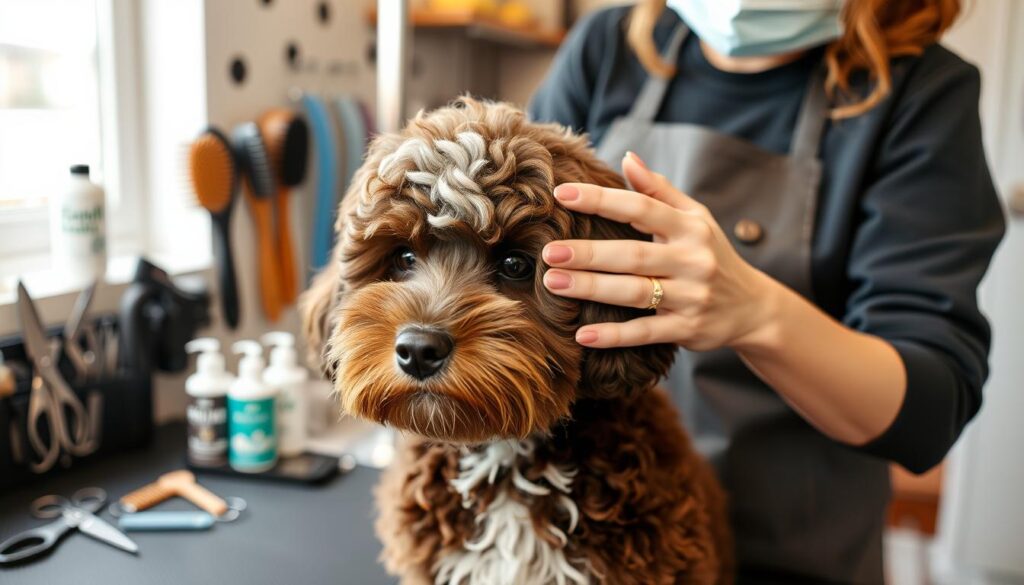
207, 412
78, 229
251, 424
289, 378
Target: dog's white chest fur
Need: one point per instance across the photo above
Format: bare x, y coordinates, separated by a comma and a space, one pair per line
506, 549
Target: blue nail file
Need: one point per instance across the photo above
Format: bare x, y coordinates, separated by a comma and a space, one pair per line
326, 152
161, 521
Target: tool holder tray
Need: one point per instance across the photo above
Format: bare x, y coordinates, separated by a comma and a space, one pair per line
127, 412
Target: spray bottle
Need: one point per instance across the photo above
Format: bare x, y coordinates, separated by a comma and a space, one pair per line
251, 423
207, 404
289, 379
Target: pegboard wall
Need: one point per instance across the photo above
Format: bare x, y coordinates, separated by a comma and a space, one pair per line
222, 63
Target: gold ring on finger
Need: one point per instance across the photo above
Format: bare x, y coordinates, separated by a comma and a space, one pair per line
657, 294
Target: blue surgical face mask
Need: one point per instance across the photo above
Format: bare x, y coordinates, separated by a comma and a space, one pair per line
741, 28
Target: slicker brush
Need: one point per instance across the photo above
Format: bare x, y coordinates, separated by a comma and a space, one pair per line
213, 171
287, 139
260, 188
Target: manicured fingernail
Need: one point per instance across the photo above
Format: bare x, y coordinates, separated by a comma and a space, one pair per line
557, 280
586, 336
632, 155
567, 193
555, 254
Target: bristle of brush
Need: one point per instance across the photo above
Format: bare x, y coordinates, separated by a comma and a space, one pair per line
213, 170
252, 151
295, 155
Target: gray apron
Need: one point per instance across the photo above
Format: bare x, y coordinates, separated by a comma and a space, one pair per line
803, 507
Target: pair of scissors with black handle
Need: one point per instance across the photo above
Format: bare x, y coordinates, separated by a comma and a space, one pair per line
76, 512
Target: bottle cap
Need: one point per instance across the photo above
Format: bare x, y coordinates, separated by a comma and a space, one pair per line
82, 170
251, 365
283, 353
210, 360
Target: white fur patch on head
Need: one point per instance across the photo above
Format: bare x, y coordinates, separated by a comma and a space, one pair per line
448, 170
507, 549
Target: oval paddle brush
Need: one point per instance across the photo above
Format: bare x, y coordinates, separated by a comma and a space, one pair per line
214, 175
258, 176
287, 139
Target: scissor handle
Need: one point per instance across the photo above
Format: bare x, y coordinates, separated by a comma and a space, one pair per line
32, 542
41, 403
89, 498
49, 506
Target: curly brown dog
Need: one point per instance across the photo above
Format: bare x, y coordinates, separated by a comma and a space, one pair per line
528, 459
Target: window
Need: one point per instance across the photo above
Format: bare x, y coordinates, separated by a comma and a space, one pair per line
68, 95
49, 113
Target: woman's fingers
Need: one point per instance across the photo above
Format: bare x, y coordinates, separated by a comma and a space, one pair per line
655, 185
642, 212
619, 256
639, 331
625, 290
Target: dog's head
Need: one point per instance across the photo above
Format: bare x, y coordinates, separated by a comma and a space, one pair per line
432, 316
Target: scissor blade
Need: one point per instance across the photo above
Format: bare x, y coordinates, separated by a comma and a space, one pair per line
101, 530
31, 327
79, 313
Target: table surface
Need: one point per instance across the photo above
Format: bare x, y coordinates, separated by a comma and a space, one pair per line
290, 534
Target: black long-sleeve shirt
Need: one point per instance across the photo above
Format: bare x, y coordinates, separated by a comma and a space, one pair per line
908, 216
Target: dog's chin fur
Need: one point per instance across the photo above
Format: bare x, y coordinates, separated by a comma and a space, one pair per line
528, 459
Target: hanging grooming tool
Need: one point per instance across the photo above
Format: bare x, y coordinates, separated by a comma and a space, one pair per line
8, 384
77, 512
353, 128
254, 163
214, 174
325, 144
287, 138
179, 483
68, 424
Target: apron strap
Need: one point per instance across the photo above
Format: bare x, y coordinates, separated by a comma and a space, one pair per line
810, 122
653, 92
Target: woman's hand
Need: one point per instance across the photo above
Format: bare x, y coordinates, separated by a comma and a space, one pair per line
712, 297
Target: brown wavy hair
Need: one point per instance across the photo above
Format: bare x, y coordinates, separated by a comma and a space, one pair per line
874, 31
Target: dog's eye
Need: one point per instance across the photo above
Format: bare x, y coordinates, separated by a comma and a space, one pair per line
515, 266
405, 259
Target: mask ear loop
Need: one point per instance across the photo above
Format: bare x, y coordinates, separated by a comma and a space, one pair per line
236, 506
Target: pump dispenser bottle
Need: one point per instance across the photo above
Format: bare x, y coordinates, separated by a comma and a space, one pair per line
289, 379
251, 420
207, 404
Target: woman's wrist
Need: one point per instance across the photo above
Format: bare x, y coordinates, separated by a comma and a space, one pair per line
766, 317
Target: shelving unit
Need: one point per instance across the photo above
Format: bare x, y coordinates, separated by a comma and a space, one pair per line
482, 28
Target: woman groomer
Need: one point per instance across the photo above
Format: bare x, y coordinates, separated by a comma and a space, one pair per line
813, 176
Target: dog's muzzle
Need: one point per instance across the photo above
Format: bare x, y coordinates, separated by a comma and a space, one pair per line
421, 353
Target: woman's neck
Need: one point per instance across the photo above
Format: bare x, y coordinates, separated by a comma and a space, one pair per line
755, 64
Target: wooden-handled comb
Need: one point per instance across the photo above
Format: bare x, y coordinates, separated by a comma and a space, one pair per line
286, 137
179, 483
260, 188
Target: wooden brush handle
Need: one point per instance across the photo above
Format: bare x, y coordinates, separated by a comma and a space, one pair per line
147, 496
204, 499
269, 273
285, 251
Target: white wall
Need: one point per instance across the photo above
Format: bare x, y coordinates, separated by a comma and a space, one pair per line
982, 521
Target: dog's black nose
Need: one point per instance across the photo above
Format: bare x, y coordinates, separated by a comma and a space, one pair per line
422, 352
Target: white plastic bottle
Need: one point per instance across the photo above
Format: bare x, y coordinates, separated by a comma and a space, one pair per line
251, 416
78, 229
290, 379
207, 411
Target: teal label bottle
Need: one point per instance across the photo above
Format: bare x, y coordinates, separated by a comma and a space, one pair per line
253, 440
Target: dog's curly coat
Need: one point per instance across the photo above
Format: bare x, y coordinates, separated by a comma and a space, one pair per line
531, 459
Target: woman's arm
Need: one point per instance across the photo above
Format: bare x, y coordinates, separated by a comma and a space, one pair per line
847, 384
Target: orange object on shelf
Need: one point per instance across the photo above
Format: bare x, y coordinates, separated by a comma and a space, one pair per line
480, 25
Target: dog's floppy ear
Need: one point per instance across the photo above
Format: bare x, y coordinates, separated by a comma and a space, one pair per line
608, 373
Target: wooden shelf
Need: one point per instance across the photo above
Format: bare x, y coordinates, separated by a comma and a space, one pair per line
481, 27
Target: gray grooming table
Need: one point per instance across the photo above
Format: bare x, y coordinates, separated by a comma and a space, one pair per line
291, 534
